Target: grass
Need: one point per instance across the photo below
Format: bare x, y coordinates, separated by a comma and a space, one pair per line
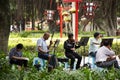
37, 34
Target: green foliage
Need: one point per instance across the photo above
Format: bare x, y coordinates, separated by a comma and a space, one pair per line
6, 73
24, 34
90, 34
57, 74
37, 34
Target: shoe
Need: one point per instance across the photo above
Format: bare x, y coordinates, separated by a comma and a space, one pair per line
50, 68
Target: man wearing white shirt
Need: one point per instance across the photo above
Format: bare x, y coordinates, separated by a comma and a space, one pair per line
43, 48
105, 56
94, 44
43, 51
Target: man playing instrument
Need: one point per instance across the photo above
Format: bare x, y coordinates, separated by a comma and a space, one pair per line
69, 46
43, 50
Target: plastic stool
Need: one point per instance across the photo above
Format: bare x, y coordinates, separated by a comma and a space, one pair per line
91, 60
75, 63
67, 65
40, 61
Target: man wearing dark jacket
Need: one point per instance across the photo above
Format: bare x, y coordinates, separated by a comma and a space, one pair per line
69, 46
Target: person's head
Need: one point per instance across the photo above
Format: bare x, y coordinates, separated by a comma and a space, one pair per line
19, 47
46, 35
70, 36
97, 35
106, 43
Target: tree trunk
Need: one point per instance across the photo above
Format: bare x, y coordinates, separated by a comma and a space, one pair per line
111, 18
106, 17
4, 24
33, 15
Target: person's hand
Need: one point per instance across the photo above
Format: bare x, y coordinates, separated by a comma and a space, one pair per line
114, 57
111, 58
26, 59
51, 42
73, 49
109, 47
48, 51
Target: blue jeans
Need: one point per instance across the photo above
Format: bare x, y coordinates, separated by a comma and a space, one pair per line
108, 64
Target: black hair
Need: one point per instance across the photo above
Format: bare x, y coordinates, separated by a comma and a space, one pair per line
19, 46
70, 35
96, 34
106, 43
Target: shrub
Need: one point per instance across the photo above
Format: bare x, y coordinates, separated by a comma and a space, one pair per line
24, 34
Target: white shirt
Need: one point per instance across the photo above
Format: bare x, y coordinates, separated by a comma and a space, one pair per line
42, 43
103, 53
94, 47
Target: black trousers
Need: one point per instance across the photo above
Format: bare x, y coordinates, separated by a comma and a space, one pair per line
72, 56
19, 62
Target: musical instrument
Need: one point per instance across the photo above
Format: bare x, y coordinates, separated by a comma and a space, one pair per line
55, 45
76, 43
52, 35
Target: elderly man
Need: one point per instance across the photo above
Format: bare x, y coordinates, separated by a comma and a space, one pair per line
43, 51
43, 48
105, 56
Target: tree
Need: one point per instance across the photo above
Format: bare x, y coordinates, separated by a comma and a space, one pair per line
106, 17
4, 24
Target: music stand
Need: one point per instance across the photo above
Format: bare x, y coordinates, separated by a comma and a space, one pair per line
83, 42
107, 39
55, 45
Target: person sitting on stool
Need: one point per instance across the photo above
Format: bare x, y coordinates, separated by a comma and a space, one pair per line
43, 51
94, 44
15, 56
69, 46
105, 56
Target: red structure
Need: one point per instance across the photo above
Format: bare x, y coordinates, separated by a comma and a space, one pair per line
60, 9
76, 15
61, 20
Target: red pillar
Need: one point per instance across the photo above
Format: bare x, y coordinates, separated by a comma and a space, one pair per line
76, 21
61, 22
